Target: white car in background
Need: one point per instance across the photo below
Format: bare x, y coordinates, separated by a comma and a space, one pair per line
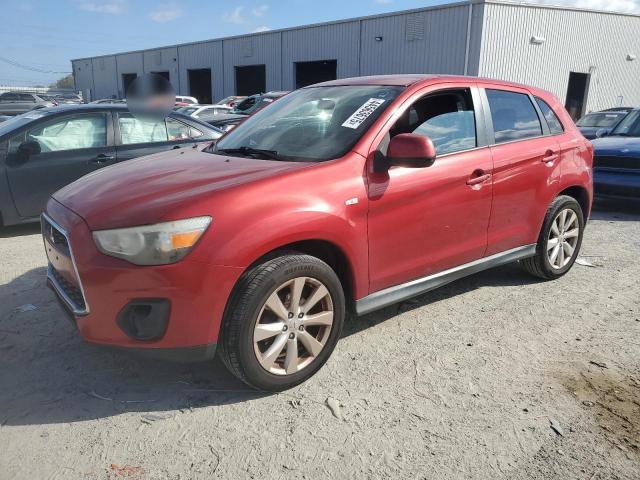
182, 101
231, 101
199, 111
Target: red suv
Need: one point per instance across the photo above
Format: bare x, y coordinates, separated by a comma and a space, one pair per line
341, 197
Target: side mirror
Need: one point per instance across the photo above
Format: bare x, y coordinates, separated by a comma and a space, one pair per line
602, 132
28, 148
411, 150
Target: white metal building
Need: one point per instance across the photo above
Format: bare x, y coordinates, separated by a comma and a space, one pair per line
587, 58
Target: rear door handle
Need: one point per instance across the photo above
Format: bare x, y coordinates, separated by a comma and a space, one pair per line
101, 158
550, 156
477, 179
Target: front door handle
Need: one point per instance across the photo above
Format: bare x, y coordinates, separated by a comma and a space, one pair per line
101, 158
478, 177
550, 156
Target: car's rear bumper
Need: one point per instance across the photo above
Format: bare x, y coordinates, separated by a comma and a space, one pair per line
192, 296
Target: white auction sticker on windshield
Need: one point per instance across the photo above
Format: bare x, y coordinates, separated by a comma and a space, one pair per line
360, 115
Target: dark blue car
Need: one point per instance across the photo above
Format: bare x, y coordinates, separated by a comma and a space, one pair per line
616, 160
600, 123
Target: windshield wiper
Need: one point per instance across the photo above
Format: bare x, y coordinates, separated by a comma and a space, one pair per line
271, 154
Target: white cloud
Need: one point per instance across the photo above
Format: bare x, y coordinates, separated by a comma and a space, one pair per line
264, 28
112, 7
236, 16
383, 2
625, 6
260, 11
166, 13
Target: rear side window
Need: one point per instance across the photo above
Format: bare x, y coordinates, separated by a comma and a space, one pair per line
141, 130
514, 116
552, 120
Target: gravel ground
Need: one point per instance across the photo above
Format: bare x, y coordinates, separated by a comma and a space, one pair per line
495, 376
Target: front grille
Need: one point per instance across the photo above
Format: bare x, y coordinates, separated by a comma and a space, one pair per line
70, 293
55, 236
70, 290
613, 162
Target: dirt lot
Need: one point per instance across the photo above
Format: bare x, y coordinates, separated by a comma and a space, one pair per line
495, 376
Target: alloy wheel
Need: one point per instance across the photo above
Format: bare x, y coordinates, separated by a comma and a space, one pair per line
563, 238
293, 326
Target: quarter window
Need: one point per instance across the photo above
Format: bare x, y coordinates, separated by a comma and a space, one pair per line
553, 121
71, 133
513, 116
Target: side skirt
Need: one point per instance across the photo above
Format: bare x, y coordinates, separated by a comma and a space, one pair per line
401, 292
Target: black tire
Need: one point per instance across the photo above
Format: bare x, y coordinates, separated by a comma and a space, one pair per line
539, 265
236, 347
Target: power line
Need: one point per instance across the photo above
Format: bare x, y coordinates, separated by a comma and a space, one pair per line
27, 67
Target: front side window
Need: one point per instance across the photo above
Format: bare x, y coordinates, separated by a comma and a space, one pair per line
513, 116
141, 130
310, 124
552, 119
71, 133
26, 97
447, 118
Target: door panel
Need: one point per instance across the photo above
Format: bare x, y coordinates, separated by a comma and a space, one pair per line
32, 180
526, 163
426, 220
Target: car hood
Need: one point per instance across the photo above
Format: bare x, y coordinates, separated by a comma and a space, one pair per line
618, 146
162, 187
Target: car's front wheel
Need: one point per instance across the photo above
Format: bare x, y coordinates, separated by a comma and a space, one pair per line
282, 321
559, 241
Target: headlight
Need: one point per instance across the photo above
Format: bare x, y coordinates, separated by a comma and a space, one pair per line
158, 244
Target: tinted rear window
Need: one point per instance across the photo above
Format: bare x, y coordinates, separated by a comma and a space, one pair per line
514, 116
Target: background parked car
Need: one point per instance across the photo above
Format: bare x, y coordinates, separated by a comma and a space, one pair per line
231, 101
605, 121
199, 111
68, 98
183, 101
616, 162
15, 103
250, 105
42, 151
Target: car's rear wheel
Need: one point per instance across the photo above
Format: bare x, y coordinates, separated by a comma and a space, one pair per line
559, 241
282, 322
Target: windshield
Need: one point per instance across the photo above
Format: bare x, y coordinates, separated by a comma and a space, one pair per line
250, 105
630, 126
600, 120
187, 110
311, 124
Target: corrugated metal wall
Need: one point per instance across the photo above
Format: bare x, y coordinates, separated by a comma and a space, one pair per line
493, 42
577, 41
328, 42
127, 63
257, 49
83, 76
104, 76
201, 55
163, 60
432, 41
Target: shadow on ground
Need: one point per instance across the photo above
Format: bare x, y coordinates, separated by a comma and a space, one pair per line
20, 230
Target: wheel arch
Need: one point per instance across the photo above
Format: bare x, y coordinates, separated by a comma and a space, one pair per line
581, 195
329, 252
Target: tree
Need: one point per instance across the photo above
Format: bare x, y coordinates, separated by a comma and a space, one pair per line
64, 82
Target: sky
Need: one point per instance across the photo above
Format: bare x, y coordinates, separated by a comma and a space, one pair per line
44, 35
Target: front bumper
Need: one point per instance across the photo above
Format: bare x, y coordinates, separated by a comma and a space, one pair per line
196, 291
